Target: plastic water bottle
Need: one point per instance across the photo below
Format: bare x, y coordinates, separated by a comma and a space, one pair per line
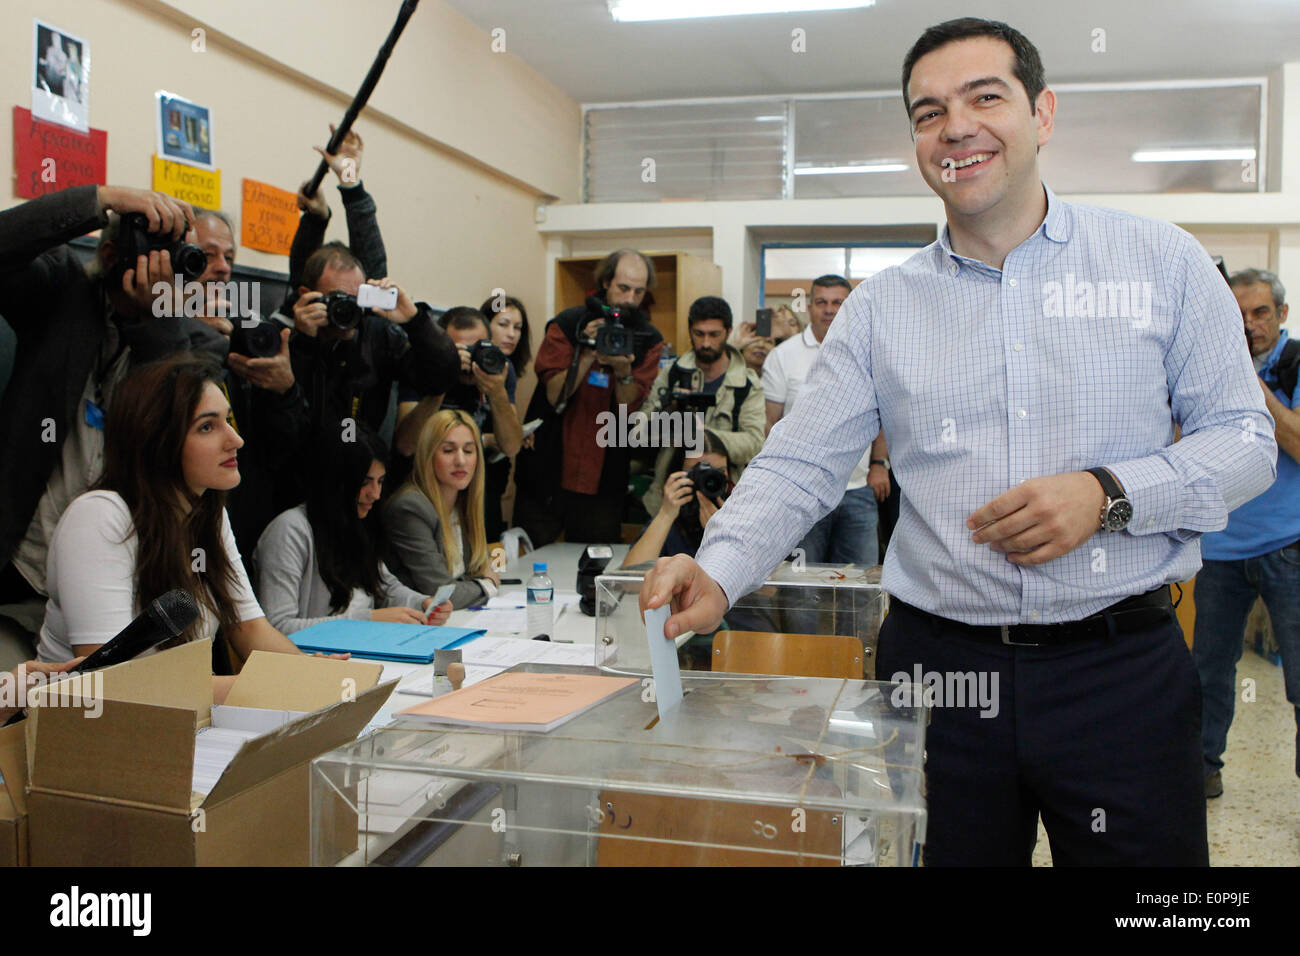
541, 607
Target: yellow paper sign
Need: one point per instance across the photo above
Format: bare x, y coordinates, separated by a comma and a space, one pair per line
269, 218
202, 187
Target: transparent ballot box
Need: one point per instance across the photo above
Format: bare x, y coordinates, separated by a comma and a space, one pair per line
759, 771
823, 600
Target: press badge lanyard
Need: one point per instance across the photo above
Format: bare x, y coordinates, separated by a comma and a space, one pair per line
94, 411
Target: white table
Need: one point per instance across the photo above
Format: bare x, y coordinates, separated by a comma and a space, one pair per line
571, 626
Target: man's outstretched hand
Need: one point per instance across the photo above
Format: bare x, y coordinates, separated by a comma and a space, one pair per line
698, 602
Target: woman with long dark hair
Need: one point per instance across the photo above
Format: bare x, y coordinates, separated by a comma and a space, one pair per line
508, 326
156, 520
322, 560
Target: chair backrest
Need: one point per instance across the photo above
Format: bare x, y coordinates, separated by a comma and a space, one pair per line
516, 543
794, 655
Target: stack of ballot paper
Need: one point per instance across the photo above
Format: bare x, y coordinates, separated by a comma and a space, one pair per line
520, 701
214, 748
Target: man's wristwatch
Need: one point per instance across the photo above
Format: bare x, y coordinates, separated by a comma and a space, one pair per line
1117, 512
883, 462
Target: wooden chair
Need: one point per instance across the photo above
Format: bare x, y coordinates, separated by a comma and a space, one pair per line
794, 655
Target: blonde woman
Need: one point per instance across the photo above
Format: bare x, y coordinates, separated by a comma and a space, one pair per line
435, 522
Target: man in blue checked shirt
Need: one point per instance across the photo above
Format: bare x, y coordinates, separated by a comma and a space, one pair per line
1030, 369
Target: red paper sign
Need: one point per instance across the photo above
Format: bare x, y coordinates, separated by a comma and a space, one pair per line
49, 157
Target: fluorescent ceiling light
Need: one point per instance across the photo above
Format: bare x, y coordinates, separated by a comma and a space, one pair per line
859, 168
1190, 155
632, 11
769, 119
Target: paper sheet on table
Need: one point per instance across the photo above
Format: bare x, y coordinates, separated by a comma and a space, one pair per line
400, 669
663, 661
501, 620
425, 684
508, 651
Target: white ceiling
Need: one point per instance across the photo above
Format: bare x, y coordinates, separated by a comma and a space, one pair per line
576, 44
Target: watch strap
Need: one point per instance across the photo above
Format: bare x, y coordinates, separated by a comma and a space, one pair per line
1108, 483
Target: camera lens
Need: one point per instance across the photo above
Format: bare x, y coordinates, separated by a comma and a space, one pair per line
189, 260
259, 341
488, 357
342, 310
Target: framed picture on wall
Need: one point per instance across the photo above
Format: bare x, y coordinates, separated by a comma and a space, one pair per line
60, 77
184, 130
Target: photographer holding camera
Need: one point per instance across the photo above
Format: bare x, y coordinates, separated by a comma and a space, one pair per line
347, 354
486, 392
713, 378
691, 496
595, 357
79, 330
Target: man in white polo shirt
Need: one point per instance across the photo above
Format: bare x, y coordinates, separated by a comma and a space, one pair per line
848, 534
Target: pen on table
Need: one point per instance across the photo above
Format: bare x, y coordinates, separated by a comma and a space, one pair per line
484, 607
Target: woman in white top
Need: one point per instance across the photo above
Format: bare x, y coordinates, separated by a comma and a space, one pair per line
156, 520
321, 560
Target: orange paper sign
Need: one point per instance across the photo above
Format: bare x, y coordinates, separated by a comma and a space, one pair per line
269, 218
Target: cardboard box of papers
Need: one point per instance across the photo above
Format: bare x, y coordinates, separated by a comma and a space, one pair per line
146, 771
13, 796
818, 599
779, 771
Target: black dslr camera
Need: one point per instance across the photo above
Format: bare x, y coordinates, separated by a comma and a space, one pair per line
692, 401
135, 240
487, 357
708, 481
343, 310
260, 339
612, 338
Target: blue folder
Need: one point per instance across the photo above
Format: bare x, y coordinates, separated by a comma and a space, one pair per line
412, 643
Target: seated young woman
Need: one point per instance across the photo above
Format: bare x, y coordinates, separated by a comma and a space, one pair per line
674, 529
156, 520
322, 560
435, 522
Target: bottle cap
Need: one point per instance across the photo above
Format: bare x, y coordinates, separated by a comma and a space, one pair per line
539, 567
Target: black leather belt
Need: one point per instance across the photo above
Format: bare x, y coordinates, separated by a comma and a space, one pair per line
1131, 614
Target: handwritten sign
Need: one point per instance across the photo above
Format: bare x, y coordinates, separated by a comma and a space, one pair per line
49, 157
269, 218
202, 187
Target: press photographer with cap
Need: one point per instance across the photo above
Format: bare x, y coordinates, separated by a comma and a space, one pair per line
1046, 507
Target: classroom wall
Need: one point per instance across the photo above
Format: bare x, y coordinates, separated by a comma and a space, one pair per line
457, 196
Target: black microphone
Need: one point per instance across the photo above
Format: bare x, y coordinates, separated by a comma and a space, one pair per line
165, 618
